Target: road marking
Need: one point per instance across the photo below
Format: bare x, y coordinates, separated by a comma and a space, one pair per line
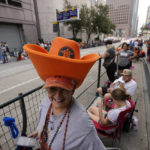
10, 69
20, 84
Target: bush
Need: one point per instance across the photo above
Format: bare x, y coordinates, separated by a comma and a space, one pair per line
97, 38
77, 39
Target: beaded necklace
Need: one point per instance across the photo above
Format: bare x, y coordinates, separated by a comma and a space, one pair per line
44, 135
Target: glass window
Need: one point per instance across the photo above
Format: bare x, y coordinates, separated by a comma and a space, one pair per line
14, 3
2, 1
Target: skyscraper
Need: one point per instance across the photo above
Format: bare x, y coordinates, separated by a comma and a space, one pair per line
148, 16
123, 14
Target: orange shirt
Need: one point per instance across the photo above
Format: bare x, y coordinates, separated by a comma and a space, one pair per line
118, 49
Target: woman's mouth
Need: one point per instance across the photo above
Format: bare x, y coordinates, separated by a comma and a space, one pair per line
59, 100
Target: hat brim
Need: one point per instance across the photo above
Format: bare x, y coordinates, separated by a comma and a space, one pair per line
56, 85
51, 65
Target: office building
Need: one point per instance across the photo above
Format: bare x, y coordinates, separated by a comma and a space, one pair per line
17, 23
148, 16
123, 14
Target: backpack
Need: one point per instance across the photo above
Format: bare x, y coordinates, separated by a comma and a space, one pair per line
128, 123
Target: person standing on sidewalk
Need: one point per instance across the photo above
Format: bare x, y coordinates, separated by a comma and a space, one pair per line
4, 54
125, 57
63, 123
148, 51
109, 60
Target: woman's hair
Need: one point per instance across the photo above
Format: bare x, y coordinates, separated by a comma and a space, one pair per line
108, 42
119, 94
125, 44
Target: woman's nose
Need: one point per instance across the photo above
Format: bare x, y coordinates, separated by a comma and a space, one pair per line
58, 93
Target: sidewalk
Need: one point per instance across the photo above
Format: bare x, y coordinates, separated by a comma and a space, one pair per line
12, 59
136, 140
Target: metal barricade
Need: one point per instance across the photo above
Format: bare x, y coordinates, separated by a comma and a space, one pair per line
24, 109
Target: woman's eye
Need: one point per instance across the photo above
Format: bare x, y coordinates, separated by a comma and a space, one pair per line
53, 88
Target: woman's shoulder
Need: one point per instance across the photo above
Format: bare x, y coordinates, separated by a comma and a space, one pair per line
80, 118
45, 102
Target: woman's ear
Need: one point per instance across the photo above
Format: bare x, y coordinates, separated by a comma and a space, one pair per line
73, 90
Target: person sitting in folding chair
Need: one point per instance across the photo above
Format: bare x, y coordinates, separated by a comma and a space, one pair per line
110, 118
125, 82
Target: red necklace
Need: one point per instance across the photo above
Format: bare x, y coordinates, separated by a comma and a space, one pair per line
44, 134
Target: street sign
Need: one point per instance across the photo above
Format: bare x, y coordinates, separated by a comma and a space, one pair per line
67, 15
55, 27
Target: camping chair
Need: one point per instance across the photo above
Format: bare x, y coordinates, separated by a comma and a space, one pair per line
109, 104
116, 129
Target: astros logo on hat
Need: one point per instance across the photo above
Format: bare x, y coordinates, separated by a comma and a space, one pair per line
67, 52
63, 59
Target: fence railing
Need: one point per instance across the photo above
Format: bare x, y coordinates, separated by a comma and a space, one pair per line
24, 109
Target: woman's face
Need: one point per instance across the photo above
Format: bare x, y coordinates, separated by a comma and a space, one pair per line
59, 97
125, 47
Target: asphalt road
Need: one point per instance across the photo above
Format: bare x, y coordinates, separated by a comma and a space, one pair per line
20, 77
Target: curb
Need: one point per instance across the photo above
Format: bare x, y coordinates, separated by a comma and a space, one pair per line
147, 100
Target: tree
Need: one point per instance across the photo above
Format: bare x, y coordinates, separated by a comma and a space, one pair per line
74, 26
87, 19
102, 23
92, 20
145, 27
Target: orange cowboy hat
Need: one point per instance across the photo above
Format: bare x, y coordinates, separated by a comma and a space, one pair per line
63, 59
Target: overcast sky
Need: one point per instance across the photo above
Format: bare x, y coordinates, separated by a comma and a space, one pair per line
142, 12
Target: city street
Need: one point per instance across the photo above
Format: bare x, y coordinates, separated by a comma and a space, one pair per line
20, 77
120, 26
16, 77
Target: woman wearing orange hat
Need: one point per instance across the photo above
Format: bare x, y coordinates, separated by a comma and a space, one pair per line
63, 122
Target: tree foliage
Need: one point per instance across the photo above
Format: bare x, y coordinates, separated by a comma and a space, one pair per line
102, 23
92, 20
74, 26
145, 27
87, 16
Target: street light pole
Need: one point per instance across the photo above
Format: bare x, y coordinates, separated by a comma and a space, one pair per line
58, 29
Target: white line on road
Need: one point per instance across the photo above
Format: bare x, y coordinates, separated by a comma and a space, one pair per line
13, 69
20, 84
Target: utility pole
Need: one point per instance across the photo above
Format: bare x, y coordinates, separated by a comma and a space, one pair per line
58, 28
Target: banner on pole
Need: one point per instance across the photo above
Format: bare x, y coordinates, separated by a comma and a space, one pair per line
67, 15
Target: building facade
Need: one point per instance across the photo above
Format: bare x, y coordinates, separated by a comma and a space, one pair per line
46, 17
148, 16
123, 14
17, 23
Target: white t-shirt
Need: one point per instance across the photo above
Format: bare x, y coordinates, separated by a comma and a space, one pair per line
113, 114
116, 83
129, 86
136, 44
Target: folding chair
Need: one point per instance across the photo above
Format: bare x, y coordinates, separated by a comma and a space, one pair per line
116, 129
109, 105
